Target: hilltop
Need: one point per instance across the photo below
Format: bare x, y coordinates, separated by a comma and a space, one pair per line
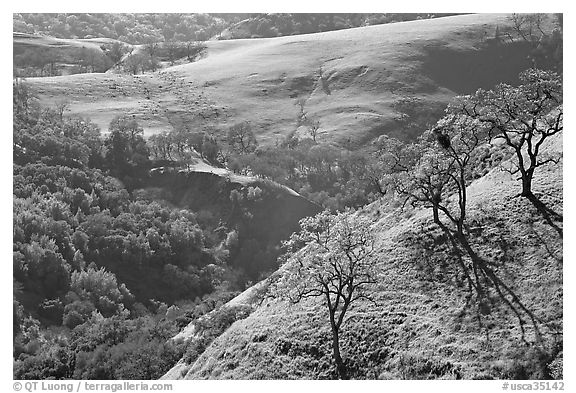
276, 25
420, 326
359, 83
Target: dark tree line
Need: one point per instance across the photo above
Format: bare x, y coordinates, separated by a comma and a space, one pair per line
276, 25
131, 28
327, 174
96, 260
52, 61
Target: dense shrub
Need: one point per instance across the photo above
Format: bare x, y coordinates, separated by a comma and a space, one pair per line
90, 257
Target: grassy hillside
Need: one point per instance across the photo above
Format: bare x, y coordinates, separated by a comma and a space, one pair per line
350, 80
357, 82
421, 326
101, 97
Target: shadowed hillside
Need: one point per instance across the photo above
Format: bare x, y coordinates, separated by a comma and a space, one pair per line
262, 212
36, 55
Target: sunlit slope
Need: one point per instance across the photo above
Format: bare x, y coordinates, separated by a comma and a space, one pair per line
421, 325
101, 97
349, 80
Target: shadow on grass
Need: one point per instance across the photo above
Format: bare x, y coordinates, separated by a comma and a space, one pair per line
484, 281
549, 215
547, 247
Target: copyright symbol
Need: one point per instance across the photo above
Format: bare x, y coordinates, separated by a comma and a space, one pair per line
17, 386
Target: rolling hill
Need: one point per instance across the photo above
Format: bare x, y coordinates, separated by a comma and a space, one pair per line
23, 40
355, 81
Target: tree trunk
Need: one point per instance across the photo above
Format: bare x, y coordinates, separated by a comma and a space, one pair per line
527, 183
340, 368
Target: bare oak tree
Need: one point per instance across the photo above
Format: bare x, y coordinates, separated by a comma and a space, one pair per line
313, 127
529, 26
435, 173
241, 138
337, 265
524, 117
